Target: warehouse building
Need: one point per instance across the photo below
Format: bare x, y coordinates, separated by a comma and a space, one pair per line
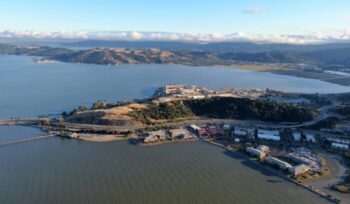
299, 169
279, 163
255, 152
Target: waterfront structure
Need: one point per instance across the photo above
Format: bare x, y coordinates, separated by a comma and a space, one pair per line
277, 162
155, 136
256, 152
178, 133
303, 156
263, 148
299, 169
150, 138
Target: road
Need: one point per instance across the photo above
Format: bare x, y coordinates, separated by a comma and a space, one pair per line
322, 114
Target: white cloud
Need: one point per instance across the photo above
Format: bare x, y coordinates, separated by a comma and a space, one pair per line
254, 10
315, 37
346, 17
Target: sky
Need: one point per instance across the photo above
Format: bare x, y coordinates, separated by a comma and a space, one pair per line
209, 19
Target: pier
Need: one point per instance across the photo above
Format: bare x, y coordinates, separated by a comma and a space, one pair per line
20, 121
2, 144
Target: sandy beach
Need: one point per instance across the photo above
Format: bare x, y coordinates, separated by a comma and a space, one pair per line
101, 138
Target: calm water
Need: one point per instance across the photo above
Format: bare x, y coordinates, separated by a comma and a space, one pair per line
30, 89
68, 171
11, 133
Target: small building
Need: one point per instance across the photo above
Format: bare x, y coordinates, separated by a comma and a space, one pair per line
240, 132
277, 162
226, 127
269, 135
150, 138
194, 128
309, 137
237, 140
299, 169
178, 133
296, 136
340, 146
203, 133
255, 152
216, 131
160, 134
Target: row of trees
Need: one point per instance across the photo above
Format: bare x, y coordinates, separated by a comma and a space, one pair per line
225, 108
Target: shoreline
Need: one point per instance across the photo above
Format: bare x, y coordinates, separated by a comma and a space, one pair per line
167, 142
280, 69
289, 71
310, 188
336, 175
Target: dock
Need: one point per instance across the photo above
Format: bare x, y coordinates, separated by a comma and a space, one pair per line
2, 144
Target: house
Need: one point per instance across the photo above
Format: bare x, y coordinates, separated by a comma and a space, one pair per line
299, 169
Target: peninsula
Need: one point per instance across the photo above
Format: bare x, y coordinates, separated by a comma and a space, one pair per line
301, 61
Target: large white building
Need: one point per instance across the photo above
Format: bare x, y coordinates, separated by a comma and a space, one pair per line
255, 152
279, 163
340, 146
269, 135
299, 169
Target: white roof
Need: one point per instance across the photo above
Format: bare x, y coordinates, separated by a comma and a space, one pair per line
269, 135
310, 137
239, 131
296, 136
339, 145
194, 127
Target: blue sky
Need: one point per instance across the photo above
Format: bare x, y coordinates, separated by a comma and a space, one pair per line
196, 16
290, 17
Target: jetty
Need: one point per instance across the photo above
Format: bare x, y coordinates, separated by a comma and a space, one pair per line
2, 144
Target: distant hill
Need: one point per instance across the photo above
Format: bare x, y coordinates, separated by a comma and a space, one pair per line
327, 56
208, 47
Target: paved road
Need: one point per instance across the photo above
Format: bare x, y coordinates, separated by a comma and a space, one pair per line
323, 113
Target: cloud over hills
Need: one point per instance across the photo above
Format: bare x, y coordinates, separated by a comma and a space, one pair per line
317, 37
